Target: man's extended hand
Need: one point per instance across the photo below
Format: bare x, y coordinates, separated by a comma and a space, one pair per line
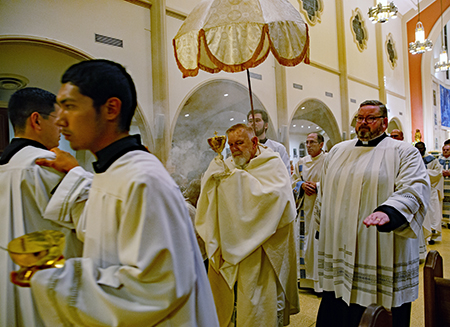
309, 187
377, 218
63, 162
446, 173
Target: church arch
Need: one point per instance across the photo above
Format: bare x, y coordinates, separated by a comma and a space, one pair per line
49, 60
310, 116
394, 123
212, 106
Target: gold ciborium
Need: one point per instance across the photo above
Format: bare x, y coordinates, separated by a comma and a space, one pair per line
36, 251
217, 143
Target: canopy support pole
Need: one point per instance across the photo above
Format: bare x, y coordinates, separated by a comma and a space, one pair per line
251, 100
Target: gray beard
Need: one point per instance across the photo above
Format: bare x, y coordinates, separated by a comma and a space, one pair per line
240, 161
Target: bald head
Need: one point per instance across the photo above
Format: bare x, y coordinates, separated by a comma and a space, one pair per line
243, 143
397, 134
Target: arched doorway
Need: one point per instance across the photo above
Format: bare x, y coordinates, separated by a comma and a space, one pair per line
394, 123
213, 106
41, 63
312, 116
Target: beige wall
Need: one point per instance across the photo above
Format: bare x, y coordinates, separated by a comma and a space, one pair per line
361, 65
75, 22
315, 82
323, 37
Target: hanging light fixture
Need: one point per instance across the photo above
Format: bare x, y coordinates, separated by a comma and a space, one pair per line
421, 44
442, 64
383, 11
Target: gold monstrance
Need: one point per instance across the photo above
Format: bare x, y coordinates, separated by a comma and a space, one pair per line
36, 251
217, 143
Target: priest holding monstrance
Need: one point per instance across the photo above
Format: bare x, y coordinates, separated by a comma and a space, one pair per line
246, 214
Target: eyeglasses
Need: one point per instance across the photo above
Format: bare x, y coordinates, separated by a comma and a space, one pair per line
369, 120
51, 115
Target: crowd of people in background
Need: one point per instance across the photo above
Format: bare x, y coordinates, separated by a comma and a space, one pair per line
228, 248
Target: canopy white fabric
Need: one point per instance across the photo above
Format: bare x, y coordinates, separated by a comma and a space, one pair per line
235, 35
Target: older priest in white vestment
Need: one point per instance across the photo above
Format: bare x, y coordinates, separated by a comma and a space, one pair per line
374, 194
141, 265
24, 193
246, 215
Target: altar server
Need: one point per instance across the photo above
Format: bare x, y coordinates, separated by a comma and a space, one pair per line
141, 265
25, 191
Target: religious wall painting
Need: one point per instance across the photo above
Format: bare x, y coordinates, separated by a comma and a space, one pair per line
445, 106
391, 51
312, 10
359, 30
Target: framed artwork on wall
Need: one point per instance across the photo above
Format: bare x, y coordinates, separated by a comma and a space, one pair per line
445, 106
359, 30
312, 10
391, 51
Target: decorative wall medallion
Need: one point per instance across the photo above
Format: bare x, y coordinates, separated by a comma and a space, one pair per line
311, 10
391, 51
359, 30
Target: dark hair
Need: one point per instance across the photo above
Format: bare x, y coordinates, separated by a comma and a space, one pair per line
422, 144
379, 104
447, 142
103, 79
259, 111
320, 138
26, 101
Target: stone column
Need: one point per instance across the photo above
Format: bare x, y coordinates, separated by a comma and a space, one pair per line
282, 109
380, 63
160, 80
343, 76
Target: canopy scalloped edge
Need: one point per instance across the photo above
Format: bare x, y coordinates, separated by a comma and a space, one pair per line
251, 63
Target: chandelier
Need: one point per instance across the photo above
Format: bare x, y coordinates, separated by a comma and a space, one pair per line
382, 12
421, 44
442, 64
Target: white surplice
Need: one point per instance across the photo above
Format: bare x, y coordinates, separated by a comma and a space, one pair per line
247, 221
434, 213
24, 193
141, 265
308, 169
360, 264
281, 150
